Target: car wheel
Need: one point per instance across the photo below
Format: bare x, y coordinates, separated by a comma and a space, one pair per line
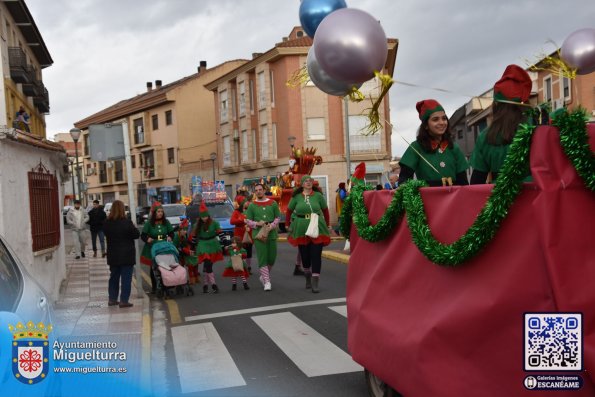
377, 387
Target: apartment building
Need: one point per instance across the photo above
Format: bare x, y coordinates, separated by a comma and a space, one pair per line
171, 128
258, 117
24, 55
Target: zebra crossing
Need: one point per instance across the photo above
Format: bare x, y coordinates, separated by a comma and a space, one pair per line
205, 363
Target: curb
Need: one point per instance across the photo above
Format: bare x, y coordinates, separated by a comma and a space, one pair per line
336, 256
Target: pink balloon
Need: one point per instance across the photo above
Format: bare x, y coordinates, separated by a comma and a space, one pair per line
578, 50
350, 45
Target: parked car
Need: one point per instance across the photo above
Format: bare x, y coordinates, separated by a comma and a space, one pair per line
173, 212
221, 212
142, 214
65, 212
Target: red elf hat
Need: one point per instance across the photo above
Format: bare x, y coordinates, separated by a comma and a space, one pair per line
203, 211
514, 85
426, 107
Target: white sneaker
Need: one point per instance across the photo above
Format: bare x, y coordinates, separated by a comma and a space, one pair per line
267, 286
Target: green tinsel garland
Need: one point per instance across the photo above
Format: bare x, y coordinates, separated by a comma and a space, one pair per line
575, 143
407, 198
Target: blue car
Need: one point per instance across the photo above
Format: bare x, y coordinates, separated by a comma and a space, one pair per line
220, 211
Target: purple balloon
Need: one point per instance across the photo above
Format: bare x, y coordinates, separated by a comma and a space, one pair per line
578, 50
325, 82
350, 45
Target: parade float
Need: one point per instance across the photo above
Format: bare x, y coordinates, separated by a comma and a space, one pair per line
441, 309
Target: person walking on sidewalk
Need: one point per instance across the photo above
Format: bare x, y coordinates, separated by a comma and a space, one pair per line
121, 257
264, 212
156, 228
77, 218
96, 218
208, 249
308, 200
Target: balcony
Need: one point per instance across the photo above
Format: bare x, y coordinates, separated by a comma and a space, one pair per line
42, 99
20, 72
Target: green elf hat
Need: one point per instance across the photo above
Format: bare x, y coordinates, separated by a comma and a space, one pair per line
203, 211
514, 85
305, 178
426, 107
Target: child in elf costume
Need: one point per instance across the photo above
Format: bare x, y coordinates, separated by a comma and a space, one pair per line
188, 258
208, 249
234, 250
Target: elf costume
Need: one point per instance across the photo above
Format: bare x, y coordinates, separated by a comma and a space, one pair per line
298, 212
514, 87
237, 219
183, 243
208, 248
161, 230
230, 272
447, 161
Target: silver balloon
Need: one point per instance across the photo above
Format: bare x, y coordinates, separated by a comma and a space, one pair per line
350, 45
323, 81
578, 50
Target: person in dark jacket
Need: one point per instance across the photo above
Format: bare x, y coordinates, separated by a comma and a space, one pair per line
96, 218
121, 256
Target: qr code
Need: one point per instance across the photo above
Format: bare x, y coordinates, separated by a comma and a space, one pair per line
553, 342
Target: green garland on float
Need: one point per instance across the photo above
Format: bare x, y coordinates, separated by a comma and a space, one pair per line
575, 143
508, 185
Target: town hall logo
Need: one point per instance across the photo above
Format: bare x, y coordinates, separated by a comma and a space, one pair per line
30, 352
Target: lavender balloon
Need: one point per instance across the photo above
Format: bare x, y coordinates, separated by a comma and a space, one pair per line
578, 50
350, 45
312, 12
325, 82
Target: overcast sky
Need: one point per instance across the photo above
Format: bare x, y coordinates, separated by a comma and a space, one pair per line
106, 50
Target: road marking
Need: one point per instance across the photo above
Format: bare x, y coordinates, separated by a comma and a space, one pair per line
203, 361
342, 310
311, 352
174, 311
264, 309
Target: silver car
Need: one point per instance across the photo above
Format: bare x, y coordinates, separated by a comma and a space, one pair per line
173, 212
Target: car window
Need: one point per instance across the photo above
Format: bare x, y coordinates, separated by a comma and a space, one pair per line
11, 281
174, 210
220, 210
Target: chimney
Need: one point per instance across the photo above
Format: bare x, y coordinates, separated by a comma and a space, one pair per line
285, 39
157, 84
256, 55
149, 86
203, 66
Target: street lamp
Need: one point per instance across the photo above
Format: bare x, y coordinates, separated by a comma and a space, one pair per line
213, 158
71, 163
75, 134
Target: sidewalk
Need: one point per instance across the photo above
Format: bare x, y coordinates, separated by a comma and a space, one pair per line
82, 313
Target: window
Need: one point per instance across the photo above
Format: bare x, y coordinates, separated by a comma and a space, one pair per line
102, 172
271, 75
226, 151
566, 88
547, 89
459, 134
236, 151
133, 160
168, 117
242, 91
119, 171
171, 155
251, 96
370, 88
254, 145
362, 143
150, 163
11, 282
274, 141
139, 131
315, 127
44, 208
223, 106
244, 139
155, 122
264, 142
323, 185
262, 96
86, 141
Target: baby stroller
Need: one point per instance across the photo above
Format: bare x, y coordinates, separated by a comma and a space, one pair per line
171, 277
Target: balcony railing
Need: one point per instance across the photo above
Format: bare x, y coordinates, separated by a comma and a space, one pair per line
42, 99
17, 60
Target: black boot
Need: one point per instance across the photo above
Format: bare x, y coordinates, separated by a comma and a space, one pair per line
315, 285
308, 280
246, 286
298, 271
215, 288
205, 289
83, 254
234, 287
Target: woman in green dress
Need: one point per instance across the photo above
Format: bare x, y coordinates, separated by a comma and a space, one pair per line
308, 200
434, 157
156, 228
511, 92
208, 248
